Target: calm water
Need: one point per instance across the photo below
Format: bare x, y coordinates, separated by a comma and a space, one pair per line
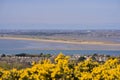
23, 46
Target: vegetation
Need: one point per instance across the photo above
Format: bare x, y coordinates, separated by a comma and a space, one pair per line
64, 69
32, 55
8, 66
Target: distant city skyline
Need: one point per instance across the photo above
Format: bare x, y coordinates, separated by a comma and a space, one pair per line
62, 14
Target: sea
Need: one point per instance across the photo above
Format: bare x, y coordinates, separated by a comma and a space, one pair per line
11, 46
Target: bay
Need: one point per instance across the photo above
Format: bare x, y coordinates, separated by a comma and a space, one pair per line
10, 46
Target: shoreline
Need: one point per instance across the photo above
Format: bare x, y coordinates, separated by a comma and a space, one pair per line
62, 41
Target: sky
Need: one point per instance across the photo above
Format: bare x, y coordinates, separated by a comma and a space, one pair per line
59, 14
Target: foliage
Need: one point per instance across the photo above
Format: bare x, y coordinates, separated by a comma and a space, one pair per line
63, 69
8, 66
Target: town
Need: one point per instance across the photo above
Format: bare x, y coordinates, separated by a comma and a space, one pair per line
25, 60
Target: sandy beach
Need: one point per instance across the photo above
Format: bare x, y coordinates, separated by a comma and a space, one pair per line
62, 41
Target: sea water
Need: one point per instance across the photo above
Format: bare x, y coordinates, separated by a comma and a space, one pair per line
10, 46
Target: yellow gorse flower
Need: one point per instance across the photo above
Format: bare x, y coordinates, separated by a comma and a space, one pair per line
63, 69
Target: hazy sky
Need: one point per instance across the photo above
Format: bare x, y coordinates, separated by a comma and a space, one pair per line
59, 14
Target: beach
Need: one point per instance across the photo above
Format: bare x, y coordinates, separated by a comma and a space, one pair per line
64, 41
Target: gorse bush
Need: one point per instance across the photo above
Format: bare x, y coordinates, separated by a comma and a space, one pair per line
63, 69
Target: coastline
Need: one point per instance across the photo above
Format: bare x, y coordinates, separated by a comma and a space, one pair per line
62, 41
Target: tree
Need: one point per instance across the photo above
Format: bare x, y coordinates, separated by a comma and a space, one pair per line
3, 55
82, 58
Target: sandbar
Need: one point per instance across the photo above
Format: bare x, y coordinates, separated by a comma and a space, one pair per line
62, 41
